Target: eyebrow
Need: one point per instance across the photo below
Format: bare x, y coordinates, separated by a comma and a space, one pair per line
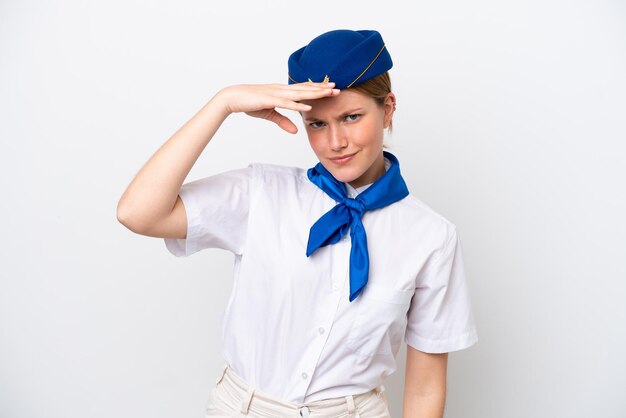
343, 115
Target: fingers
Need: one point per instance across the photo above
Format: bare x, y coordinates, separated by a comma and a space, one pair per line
255, 100
294, 93
282, 121
312, 84
311, 94
292, 102
292, 105
303, 86
307, 87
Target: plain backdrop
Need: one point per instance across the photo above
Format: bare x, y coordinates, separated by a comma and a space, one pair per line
510, 123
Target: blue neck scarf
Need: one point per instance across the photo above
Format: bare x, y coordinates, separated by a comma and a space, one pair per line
334, 224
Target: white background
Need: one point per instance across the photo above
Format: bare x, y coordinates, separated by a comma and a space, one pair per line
510, 123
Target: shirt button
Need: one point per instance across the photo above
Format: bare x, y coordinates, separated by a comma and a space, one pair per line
321, 330
335, 286
304, 375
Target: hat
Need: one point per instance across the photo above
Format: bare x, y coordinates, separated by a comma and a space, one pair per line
343, 56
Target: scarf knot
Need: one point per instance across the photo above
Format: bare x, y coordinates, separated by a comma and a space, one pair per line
334, 224
356, 207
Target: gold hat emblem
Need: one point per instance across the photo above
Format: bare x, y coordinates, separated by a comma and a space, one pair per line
326, 79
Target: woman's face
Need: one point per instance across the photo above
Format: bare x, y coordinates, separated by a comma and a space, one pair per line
346, 134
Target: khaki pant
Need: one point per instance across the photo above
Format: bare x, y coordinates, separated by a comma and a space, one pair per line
233, 397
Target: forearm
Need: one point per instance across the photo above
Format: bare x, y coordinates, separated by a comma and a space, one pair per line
424, 384
151, 195
424, 406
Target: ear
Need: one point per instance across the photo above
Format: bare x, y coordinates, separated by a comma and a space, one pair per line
389, 106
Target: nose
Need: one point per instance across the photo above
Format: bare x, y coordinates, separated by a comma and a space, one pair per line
338, 139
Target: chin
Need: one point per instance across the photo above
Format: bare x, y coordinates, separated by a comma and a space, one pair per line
345, 176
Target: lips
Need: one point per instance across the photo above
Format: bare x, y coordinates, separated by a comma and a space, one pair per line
343, 158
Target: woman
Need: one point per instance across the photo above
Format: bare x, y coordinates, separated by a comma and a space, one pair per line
334, 265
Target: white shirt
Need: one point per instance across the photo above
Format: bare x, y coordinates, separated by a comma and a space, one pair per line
289, 328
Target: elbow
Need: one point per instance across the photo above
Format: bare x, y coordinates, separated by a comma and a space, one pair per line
128, 219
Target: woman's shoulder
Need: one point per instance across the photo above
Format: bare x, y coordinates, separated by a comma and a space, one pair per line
421, 224
277, 173
414, 208
277, 169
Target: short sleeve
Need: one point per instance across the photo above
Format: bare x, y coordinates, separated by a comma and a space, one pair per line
440, 317
217, 213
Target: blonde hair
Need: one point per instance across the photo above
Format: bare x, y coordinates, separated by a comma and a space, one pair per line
376, 88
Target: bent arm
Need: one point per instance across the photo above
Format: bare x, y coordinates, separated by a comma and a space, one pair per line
424, 384
152, 196
150, 205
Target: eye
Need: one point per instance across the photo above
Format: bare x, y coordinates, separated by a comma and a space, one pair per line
313, 124
356, 116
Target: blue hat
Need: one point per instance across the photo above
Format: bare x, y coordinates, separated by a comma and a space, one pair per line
343, 56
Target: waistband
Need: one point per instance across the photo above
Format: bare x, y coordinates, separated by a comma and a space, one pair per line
256, 401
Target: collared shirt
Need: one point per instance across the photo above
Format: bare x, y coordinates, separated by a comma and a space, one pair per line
289, 328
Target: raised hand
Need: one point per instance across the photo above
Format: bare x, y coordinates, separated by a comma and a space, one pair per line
261, 100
